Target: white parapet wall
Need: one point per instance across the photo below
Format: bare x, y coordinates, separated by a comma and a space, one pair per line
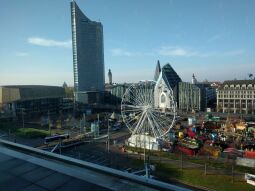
245, 162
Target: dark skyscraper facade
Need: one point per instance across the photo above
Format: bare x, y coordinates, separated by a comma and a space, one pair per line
88, 54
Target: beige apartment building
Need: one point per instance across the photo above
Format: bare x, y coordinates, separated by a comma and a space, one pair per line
236, 96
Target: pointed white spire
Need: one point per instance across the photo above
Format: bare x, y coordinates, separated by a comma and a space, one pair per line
194, 80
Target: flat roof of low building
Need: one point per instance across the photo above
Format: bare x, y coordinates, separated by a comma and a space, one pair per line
29, 92
236, 82
239, 82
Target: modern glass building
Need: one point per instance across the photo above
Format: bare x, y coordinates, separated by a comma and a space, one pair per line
88, 54
191, 97
172, 79
166, 89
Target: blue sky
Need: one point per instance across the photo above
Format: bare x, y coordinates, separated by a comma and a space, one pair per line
213, 39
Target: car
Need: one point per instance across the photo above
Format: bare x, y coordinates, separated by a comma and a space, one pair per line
116, 127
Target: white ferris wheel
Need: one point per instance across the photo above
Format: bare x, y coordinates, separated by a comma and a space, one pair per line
141, 115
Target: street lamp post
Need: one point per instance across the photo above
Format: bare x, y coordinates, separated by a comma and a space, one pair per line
49, 122
22, 112
144, 149
109, 118
108, 142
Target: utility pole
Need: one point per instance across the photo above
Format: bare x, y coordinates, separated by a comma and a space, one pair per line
49, 122
181, 161
145, 162
84, 122
144, 149
233, 174
22, 113
205, 169
98, 124
80, 125
108, 143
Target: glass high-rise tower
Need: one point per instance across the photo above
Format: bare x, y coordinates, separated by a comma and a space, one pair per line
88, 54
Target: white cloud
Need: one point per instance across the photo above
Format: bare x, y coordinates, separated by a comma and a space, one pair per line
175, 51
49, 42
235, 52
21, 54
121, 52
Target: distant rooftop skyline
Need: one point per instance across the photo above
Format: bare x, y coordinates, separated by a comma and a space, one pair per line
212, 39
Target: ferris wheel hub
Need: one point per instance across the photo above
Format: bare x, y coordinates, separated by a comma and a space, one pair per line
147, 107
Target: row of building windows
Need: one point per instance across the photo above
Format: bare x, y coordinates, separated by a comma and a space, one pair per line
235, 92
236, 100
236, 96
228, 104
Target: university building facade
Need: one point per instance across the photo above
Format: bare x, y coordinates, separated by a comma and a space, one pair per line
88, 56
237, 96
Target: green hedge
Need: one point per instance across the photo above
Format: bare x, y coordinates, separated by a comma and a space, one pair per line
31, 133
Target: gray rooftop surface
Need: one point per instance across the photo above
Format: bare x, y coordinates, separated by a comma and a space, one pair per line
19, 175
26, 168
